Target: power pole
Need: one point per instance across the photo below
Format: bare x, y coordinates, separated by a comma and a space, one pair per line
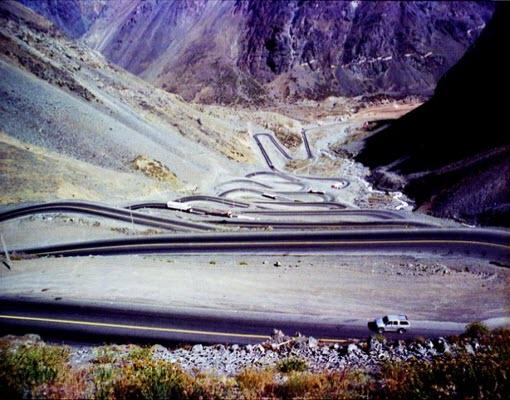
7, 263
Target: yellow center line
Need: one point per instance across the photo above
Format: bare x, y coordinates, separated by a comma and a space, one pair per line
290, 244
150, 328
134, 327
329, 340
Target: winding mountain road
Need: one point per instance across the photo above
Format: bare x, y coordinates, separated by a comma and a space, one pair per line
378, 232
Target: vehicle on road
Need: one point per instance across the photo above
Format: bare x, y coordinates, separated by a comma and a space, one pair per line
390, 323
175, 205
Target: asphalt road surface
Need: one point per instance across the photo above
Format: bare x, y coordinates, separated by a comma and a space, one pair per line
106, 323
485, 243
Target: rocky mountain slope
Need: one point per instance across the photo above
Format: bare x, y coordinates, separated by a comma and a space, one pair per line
73, 125
453, 153
257, 50
74, 17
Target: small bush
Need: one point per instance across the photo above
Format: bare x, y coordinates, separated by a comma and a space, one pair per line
210, 387
140, 353
29, 365
326, 385
298, 385
255, 383
292, 364
476, 329
103, 379
106, 355
141, 379
74, 385
151, 380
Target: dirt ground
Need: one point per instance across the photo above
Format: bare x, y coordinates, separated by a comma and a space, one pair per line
328, 286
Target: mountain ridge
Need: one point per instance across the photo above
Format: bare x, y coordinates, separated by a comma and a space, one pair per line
456, 163
258, 51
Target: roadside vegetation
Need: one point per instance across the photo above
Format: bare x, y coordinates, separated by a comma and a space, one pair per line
37, 370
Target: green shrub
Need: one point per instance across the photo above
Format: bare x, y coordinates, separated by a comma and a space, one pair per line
107, 354
464, 376
103, 380
140, 353
292, 364
476, 329
141, 379
27, 366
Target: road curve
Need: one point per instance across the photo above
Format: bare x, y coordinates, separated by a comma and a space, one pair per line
281, 149
213, 199
119, 214
486, 243
341, 181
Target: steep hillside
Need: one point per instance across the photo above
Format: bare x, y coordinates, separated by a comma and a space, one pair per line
257, 50
74, 17
58, 95
453, 153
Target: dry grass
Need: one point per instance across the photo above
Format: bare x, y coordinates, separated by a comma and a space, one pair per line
156, 170
31, 173
288, 137
254, 384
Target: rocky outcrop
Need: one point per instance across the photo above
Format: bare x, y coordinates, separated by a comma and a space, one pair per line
316, 49
452, 153
258, 50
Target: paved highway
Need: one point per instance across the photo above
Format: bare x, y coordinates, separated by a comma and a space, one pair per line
104, 323
308, 150
104, 211
492, 244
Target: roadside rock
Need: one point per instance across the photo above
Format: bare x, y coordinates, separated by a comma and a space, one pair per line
231, 359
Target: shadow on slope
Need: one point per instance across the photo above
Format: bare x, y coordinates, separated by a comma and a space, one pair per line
452, 153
